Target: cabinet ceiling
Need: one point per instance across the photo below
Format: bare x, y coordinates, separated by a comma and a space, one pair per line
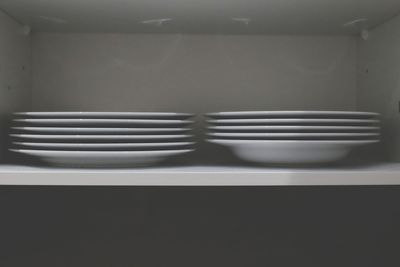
202, 16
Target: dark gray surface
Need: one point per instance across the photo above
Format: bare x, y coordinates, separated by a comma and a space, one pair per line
308, 226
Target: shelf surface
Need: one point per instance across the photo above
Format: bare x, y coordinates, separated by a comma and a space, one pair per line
376, 174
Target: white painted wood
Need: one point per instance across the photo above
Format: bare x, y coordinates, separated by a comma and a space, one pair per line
378, 174
379, 81
15, 73
207, 16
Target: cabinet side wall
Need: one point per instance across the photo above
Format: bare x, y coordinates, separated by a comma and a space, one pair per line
379, 82
15, 73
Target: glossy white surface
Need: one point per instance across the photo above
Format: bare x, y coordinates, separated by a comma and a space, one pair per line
101, 158
294, 135
99, 137
86, 122
357, 174
271, 128
292, 114
77, 146
291, 152
91, 130
104, 115
293, 121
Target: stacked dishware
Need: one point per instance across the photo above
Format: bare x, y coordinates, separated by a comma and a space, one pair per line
101, 139
293, 137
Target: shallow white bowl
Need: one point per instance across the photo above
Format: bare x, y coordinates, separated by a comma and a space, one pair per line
292, 152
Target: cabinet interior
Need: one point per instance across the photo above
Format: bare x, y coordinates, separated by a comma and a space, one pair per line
61, 57
200, 56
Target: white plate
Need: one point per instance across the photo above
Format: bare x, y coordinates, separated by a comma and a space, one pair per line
132, 115
292, 152
88, 130
292, 114
87, 122
101, 158
341, 122
100, 137
293, 128
293, 135
99, 146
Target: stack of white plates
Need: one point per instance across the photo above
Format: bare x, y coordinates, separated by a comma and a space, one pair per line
293, 137
101, 138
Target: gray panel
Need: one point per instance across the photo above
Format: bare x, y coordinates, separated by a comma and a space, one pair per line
379, 82
208, 16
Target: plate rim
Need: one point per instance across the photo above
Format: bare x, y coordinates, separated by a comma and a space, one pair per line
38, 144
288, 120
251, 135
292, 112
104, 113
105, 121
290, 127
100, 136
138, 152
368, 141
97, 129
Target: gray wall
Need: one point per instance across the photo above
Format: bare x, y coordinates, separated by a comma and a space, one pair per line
379, 81
15, 72
196, 73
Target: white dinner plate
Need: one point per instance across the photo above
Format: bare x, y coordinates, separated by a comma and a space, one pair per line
99, 146
90, 130
268, 128
101, 158
292, 114
341, 122
87, 122
103, 115
292, 152
100, 137
293, 135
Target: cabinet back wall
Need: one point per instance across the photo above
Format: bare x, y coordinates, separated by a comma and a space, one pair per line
193, 73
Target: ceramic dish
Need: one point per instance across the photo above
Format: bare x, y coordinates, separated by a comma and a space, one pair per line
294, 135
292, 114
104, 115
341, 122
292, 152
99, 137
89, 130
271, 128
108, 122
101, 158
100, 146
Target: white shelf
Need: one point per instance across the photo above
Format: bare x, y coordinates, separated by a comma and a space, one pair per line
377, 174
